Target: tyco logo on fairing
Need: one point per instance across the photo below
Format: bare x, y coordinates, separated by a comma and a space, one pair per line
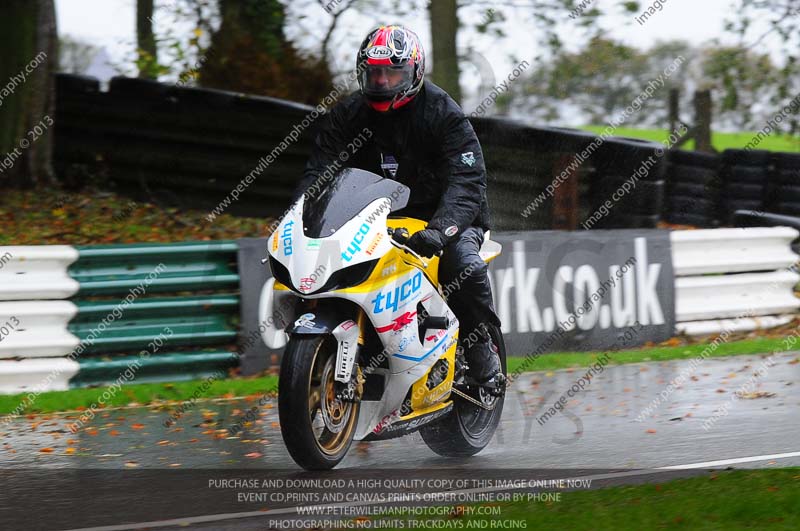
286, 236
355, 245
391, 300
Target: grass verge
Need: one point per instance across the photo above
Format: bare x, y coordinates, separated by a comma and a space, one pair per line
150, 393
567, 360
742, 499
720, 141
145, 393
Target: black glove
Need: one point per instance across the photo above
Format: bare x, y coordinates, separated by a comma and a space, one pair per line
427, 242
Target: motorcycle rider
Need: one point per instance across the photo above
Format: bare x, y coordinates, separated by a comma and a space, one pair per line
421, 138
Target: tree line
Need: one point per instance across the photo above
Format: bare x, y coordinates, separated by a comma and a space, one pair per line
243, 45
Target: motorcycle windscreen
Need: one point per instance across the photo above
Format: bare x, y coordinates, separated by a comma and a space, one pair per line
347, 194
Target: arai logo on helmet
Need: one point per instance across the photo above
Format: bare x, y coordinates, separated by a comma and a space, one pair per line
379, 52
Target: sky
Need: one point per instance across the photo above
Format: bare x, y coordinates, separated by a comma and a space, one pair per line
111, 24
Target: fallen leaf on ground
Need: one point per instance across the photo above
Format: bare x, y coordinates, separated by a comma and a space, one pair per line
755, 394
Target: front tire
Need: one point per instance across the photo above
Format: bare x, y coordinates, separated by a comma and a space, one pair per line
317, 428
468, 428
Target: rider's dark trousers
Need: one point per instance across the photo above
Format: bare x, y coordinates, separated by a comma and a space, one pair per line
465, 277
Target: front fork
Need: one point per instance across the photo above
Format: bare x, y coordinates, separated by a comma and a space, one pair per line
349, 337
349, 382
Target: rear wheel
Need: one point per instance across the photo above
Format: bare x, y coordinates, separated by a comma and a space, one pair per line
316, 426
468, 428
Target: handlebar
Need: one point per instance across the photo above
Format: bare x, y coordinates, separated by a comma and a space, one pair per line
400, 237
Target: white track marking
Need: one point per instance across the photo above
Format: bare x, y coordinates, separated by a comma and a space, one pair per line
724, 462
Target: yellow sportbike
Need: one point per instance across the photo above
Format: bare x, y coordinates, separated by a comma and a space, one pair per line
372, 349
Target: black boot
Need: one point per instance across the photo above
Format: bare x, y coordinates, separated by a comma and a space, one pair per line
483, 359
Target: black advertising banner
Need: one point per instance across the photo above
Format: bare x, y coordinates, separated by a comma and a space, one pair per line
553, 291
255, 356
593, 290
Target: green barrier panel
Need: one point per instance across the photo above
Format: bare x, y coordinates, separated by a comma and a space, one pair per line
118, 314
158, 368
179, 321
145, 268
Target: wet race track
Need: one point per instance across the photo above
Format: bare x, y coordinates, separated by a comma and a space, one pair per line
603, 431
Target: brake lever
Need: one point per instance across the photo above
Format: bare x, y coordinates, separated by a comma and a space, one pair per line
411, 252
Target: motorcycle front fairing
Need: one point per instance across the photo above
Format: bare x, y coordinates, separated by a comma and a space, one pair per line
332, 240
305, 251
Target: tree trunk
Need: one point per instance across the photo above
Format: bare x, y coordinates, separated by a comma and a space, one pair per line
250, 53
260, 20
27, 96
145, 39
702, 121
444, 27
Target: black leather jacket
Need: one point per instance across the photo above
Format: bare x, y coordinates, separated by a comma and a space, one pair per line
436, 151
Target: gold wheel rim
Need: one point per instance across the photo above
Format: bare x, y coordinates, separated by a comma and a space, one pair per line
332, 421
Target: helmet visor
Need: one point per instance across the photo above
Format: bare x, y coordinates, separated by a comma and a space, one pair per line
383, 82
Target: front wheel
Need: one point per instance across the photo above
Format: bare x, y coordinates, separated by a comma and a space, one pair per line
316, 426
468, 428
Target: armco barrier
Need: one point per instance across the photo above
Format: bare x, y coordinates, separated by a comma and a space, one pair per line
38, 272
123, 297
698, 252
734, 279
723, 280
